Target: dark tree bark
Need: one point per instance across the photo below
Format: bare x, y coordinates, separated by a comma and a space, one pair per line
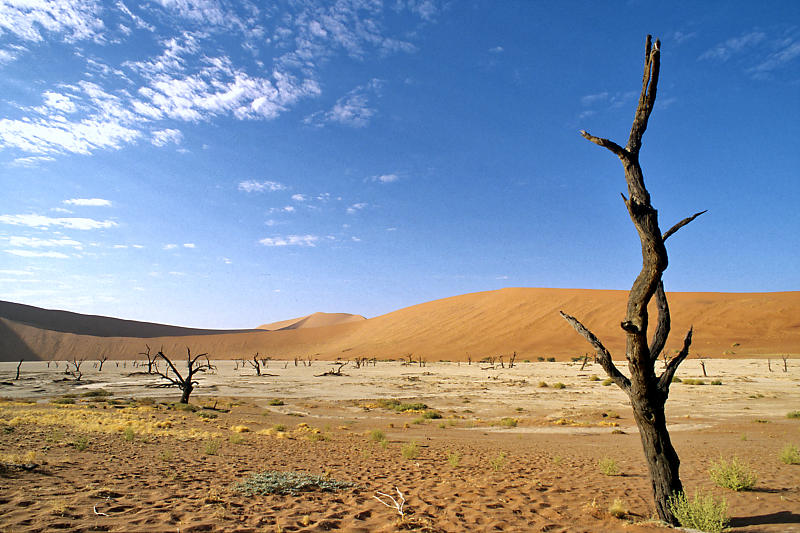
175, 379
647, 392
21, 360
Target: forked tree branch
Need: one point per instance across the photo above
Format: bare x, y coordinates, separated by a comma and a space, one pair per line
666, 377
663, 325
647, 97
606, 143
681, 224
603, 356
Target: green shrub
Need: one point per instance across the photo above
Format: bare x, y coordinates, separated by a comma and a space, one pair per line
790, 455
793, 414
716, 382
733, 474
210, 447
618, 509
594, 377
396, 405
410, 450
551, 359
609, 467
454, 458
509, 422
543, 385
701, 513
498, 461
273, 482
207, 414
236, 438
607, 382
276, 401
129, 434
384, 443
689, 381
376, 435
559, 385
81, 443
279, 427
676, 379
540, 358
430, 414
64, 400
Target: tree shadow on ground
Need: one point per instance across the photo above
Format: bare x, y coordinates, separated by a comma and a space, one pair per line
781, 517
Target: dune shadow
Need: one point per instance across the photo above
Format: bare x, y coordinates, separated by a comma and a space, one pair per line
781, 517
12, 347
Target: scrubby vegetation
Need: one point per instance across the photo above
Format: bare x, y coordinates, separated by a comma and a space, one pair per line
274, 482
733, 474
702, 512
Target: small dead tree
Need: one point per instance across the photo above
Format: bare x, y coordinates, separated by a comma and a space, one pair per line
151, 359
18, 366
256, 364
186, 384
511, 361
332, 372
647, 391
102, 359
785, 366
75, 369
703, 366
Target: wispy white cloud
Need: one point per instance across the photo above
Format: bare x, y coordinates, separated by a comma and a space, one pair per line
356, 207
89, 202
261, 186
353, 109
74, 20
31, 161
35, 242
291, 240
386, 178
31, 253
728, 48
787, 51
170, 246
285, 209
166, 136
41, 221
496, 50
299, 197
189, 245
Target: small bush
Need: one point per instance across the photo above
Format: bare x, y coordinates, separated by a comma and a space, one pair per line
702, 512
606, 382
129, 434
543, 385
793, 414
396, 405
618, 509
790, 455
65, 400
540, 358
689, 381
609, 467
410, 450
276, 401
81, 443
236, 438
210, 447
279, 427
716, 382
676, 379
595, 377
376, 435
498, 461
430, 414
453, 459
733, 474
551, 359
207, 415
384, 443
274, 482
509, 422
559, 385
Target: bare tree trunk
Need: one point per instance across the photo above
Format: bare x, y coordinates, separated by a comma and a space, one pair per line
647, 392
18, 366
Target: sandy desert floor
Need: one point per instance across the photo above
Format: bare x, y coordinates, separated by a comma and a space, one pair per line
113, 453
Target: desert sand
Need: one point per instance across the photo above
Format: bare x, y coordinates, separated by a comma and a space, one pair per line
508, 454
522, 320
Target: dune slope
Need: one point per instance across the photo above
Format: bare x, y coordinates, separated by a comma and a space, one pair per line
524, 320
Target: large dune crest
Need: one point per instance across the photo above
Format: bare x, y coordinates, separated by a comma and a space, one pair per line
524, 320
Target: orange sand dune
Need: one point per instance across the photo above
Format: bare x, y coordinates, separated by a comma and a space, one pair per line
316, 320
524, 320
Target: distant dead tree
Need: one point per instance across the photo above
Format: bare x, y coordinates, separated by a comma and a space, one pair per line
332, 372
151, 359
511, 361
703, 366
422, 362
469, 359
256, 364
769, 364
585, 360
785, 366
18, 367
102, 359
74, 368
410, 359
647, 392
186, 384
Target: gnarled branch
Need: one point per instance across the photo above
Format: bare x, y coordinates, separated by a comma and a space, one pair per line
605, 143
666, 377
647, 97
663, 325
681, 224
603, 356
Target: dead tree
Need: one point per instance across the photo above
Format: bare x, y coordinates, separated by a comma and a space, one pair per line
75, 370
255, 363
331, 372
647, 391
511, 361
703, 366
176, 379
785, 366
151, 359
18, 366
102, 359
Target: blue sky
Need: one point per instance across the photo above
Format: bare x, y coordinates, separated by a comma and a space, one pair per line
224, 164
